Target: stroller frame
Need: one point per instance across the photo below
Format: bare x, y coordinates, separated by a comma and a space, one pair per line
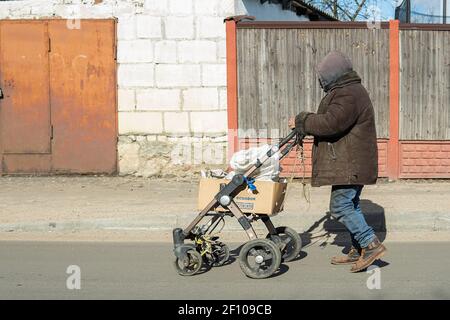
225, 198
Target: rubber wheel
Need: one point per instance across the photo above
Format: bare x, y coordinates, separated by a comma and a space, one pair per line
221, 254
259, 258
190, 265
291, 242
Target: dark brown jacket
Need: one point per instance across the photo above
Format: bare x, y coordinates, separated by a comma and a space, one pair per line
345, 139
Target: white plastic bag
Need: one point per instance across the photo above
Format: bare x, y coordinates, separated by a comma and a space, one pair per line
242, 160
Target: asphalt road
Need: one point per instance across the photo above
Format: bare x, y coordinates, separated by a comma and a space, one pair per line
37, 270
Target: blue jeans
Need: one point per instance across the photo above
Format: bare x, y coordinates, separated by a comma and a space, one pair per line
344, 206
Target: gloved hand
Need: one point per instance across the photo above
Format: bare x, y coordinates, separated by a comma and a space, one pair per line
300, 122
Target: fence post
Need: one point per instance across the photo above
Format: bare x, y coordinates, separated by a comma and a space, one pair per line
393, 166
232, 89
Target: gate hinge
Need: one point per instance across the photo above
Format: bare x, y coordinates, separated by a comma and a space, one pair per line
51, 132
49, 45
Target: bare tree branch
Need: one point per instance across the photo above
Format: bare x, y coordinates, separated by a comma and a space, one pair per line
346, 9
360, 6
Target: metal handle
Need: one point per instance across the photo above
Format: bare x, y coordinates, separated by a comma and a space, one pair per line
287, 138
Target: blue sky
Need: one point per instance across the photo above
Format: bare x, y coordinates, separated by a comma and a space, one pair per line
430, 7
387, 8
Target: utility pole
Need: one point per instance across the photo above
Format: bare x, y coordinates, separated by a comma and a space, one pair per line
444, 8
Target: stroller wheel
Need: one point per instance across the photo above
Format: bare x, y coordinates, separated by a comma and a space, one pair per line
221, 254
259, 258
290, 242
190, 264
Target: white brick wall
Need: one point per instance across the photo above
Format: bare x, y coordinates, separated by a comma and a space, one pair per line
41, 9
156, 7
132, 51
177, 75
228, 8
197, 51
166, 51
206, 7
222, 51
209, 121
126, 28
176, 122
136, 75
158, 99
140, 122
179, 27
148, 27
126, 100
214, 75
223, 99
180, 7
200, 99
210, 27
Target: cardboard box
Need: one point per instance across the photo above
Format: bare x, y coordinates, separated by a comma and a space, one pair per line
267, 199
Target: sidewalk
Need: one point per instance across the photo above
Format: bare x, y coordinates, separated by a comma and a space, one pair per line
89, 207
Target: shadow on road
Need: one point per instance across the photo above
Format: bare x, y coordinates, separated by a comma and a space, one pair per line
327, 228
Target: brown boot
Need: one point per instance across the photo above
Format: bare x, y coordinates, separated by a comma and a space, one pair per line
375, 250
350, 258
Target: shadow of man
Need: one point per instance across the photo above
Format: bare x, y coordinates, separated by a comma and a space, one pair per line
328, 230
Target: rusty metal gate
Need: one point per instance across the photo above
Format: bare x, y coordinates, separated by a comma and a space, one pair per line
59, 112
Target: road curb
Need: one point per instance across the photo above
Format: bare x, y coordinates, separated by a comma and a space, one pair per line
398, 222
